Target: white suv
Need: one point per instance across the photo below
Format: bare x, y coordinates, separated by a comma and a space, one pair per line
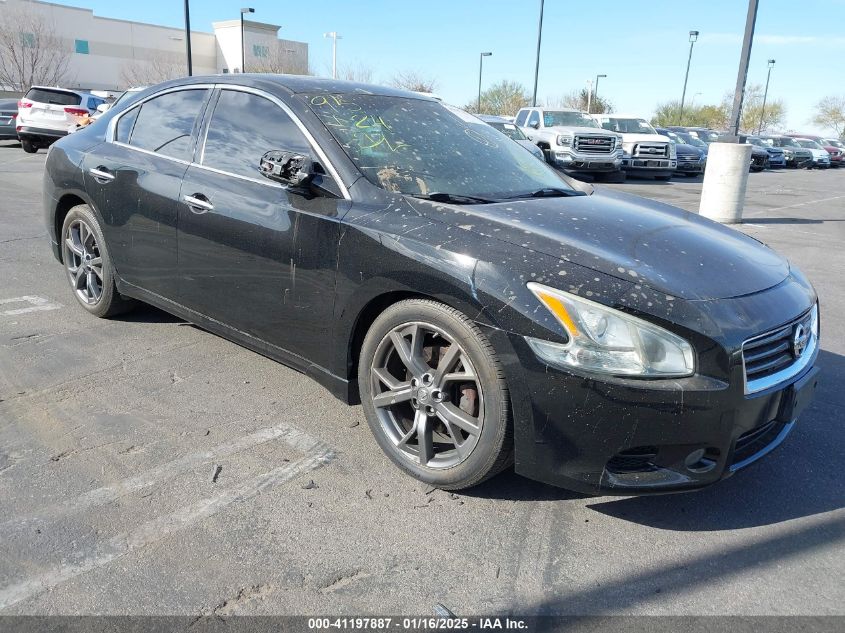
46, 114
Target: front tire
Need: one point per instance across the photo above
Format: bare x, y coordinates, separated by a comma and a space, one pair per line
88, 264
435, 396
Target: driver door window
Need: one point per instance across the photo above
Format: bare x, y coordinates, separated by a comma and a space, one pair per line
533, 119
243, 128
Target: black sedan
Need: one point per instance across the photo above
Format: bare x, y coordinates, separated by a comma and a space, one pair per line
483, 308
8, 119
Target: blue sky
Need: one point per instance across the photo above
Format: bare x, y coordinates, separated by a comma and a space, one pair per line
641, 45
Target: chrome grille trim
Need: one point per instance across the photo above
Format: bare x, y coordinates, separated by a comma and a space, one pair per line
768, 360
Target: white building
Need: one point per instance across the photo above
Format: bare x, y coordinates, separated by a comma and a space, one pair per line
106, 53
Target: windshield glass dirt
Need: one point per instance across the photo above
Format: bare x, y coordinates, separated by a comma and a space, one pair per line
420, 147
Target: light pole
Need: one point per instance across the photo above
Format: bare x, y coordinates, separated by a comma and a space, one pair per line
742, 74
480, 67
243, 44
335, 37
596, 90
693, 37
188, 38
765, 95
537, 64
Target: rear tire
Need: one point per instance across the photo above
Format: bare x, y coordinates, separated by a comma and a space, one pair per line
88, 264
448, 428
28, 146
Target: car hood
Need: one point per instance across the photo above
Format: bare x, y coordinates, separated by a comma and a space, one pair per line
683, 148
581, 130
668, 249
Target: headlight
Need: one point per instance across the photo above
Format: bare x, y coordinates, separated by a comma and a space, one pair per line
608, 341
628, 148
673, 151
566, 141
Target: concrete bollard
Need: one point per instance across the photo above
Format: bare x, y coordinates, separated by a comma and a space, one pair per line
725, 179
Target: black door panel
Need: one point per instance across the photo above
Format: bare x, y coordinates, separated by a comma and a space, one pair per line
139, 211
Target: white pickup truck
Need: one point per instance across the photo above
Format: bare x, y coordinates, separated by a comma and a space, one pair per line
572, 141
645, 152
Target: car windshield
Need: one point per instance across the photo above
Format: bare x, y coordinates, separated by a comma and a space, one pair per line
834, 143
509, 130
809, 144
567, 118
786, 141
421, 147
689, 139
675, 138
627, 126
756, 141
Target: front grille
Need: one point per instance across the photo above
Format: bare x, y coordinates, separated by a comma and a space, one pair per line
633, 460
589, 144
752, 442
775, 351
687, 158
651, 150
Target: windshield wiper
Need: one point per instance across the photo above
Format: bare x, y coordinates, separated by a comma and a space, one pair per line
453, 198
550, 192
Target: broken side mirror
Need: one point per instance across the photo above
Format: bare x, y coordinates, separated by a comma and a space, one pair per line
288, 168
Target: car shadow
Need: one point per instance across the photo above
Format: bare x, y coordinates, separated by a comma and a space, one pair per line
638, 585
146, 313
10, 144
799, 479
753, 220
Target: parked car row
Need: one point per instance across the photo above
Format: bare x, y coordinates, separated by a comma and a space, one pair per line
46, 114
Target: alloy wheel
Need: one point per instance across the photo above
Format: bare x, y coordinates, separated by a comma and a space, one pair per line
427, 395
84, 262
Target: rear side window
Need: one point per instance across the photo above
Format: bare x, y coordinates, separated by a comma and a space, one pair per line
56, 97
125, 125
243, 128
165, 124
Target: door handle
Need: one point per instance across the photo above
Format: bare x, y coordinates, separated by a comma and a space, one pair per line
101, 174
198, 203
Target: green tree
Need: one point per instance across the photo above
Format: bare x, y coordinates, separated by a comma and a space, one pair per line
504, 99
577, 99
709, 116
774, 116
830, 113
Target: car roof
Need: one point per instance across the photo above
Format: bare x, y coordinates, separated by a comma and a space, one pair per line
296, 84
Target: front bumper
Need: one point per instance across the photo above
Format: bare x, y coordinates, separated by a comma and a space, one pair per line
650, 166
620, 437
690, 166
570, 160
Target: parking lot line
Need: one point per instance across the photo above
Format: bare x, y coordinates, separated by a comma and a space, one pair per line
318, 454
154, 476
796, 205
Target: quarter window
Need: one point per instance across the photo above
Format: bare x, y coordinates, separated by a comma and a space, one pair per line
165, 124
243, 128
125, 124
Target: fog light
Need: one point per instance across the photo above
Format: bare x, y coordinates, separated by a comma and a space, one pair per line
698, 461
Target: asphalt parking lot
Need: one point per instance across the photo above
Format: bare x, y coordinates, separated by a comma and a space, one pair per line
148, 467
